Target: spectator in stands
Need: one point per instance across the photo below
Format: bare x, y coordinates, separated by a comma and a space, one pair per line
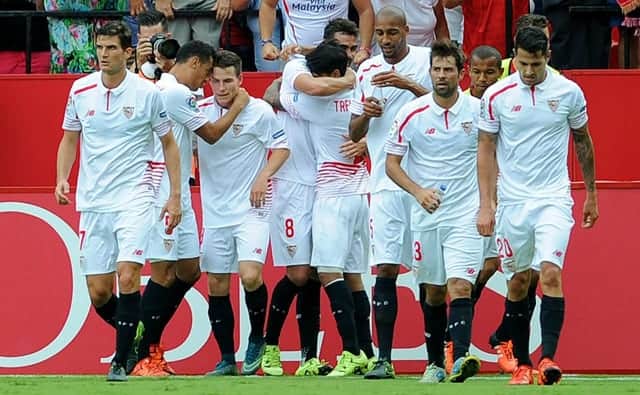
12, 46
489, 22
631, 10
425, 18
455, 23
73, 39
305, 22
276, 36
205, 29
150, 23
579, 40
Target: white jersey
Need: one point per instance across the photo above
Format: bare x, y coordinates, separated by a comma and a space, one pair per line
306, 19
441, 146
301, 165
329, 128
183, 111
415, 66
116, 147
421, 19
229, 167
533, 126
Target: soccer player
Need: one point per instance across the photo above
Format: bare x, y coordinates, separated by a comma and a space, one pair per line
118, 115
485, 68
340, 210
438, 135
305, 20
236, 204
385, 83
525, 121
526, 20
294, 194
175, 257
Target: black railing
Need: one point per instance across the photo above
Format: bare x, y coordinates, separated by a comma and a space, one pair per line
93, 14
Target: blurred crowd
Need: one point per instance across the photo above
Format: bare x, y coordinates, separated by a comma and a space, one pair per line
66, 45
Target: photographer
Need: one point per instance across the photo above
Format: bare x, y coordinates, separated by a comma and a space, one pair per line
156, 49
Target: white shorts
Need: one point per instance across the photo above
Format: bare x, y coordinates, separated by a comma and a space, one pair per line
182, 243
533, 232
447, 252
109, 238
389, 227
490, 248
291, 223
223, 248
340, 235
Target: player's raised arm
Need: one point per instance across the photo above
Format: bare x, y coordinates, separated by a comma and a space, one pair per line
324, 86
213, 131
267, 19
366, 24
66, 157
584, 150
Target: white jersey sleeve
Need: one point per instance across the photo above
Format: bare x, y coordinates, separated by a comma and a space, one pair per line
578, 113
183, 108
273, 135
398, 140
489, 121
160, 123
292, 70
71, 121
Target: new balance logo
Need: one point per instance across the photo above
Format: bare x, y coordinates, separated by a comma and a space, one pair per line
138, 252
90, 113
257, 251
516, 108
430, 131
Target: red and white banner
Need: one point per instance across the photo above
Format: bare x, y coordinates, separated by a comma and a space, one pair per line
49, 326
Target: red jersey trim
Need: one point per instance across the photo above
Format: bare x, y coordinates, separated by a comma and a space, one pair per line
506, 88
408, 118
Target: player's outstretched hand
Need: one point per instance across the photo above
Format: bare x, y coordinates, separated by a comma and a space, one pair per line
429, 199
590, 213
173, 208
242, 99
351, 149
361, 56
62, 192
259, 191
486, 221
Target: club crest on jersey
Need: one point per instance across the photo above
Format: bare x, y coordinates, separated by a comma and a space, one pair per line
553, 104
467, 126
236, 128
128, 111
168, 244
291, 250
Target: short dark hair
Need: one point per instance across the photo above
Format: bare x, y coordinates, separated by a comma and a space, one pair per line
445, 48
326, 57
119, 29
203, 51
152, 18
486, 52
532, 40
226, 59
535, 20
340, 25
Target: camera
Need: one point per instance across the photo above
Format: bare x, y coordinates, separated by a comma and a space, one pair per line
165, 46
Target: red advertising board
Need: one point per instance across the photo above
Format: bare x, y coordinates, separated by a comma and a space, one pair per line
50, 328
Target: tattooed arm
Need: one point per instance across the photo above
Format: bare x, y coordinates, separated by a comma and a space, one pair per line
584, 150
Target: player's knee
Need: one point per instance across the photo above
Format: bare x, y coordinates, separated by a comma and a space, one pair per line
99, 295
519, 285
550, 277
129, 278
388, 271
251, 279
299, 275
190, 274
218, 285
436, 294
164, 275
459, 288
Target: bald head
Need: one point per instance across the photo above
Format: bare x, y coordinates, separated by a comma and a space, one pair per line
392, 14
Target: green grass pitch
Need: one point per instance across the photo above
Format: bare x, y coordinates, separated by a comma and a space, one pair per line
257, 385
